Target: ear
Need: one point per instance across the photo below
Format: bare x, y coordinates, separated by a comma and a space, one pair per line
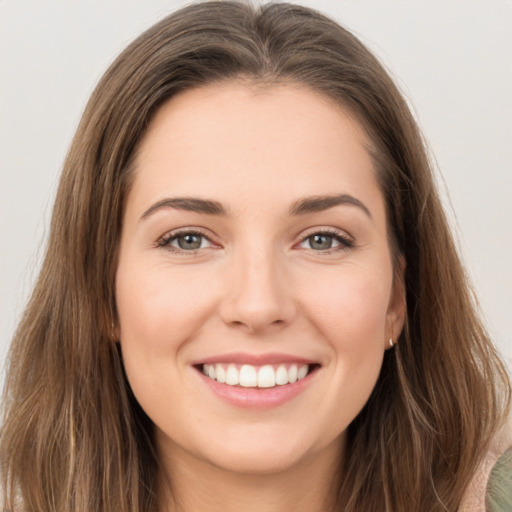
111, 327
114, 333
397, 308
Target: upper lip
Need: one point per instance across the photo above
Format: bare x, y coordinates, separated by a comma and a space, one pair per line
254, 359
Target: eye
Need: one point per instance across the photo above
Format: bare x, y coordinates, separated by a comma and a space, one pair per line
185, 241
325, 241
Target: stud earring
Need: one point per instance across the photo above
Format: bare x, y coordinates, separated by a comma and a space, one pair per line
391, 344
113, 333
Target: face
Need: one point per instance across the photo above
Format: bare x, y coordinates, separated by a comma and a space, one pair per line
255, 284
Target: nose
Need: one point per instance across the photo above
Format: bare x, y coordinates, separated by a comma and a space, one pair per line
258, 298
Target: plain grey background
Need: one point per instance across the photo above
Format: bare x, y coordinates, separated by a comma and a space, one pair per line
451, 58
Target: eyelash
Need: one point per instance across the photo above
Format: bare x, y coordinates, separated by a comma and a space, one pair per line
344, 241
165, 241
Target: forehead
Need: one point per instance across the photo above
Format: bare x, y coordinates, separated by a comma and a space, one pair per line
231, 140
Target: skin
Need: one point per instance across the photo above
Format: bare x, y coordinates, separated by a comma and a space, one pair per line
256, 285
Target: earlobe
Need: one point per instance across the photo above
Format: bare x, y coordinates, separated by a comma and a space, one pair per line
113, 333
111, 325
397, 309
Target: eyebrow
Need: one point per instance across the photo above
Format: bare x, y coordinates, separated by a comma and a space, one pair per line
320, 203
300, 207
191, 204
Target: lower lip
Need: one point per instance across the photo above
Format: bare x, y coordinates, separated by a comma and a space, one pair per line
258, 398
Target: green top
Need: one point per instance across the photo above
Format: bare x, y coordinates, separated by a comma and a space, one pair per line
499, 488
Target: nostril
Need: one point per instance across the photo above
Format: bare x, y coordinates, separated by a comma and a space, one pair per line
254, 325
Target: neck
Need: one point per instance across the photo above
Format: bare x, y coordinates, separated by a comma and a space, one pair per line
309, 486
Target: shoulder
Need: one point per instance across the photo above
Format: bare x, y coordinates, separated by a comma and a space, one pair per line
487, 492
499, 486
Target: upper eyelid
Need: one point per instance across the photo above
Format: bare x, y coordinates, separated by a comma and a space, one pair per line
324, 230
175, 233
183, 231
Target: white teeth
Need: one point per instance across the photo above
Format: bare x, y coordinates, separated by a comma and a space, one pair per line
266, 377
221, 373
250, 376
301, 373
282, 375
232, 377
292, 374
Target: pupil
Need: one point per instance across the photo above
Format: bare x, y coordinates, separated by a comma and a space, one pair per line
320, 242
189, 242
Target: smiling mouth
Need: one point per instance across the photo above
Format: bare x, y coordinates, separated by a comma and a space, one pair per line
249, 376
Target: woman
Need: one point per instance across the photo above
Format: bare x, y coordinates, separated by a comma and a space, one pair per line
251, 298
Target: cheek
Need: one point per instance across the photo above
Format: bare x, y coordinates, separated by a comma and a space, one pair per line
351, 309
351, 315
158, 309
158, 314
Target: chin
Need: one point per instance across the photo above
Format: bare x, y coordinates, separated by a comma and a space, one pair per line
263, 451
255, 461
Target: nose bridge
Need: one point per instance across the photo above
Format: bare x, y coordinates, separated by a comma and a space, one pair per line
258, 296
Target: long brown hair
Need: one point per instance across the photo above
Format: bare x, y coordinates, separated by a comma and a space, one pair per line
74, 438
